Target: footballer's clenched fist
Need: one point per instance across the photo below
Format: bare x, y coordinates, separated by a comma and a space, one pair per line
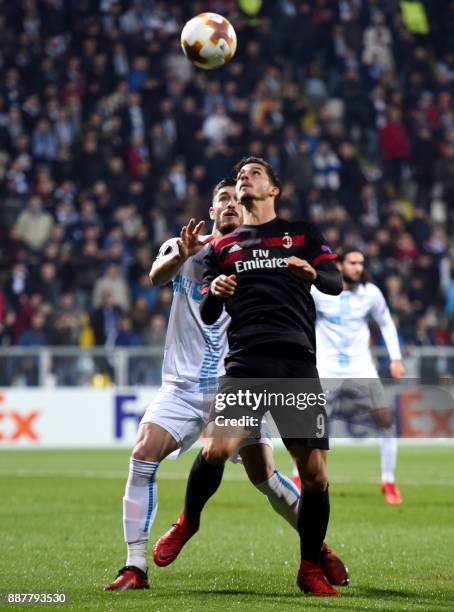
223, 286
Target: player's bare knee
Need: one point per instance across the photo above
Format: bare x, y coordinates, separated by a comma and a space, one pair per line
216, 454
315, 483
315, 479
142, 452
154, 443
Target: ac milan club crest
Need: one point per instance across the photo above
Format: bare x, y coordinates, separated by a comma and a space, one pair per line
287, 241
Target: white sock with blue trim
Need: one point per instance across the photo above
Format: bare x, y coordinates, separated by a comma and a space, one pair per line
140, 504
282, 495
388, 458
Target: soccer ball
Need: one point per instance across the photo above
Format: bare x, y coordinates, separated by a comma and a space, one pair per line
208, 41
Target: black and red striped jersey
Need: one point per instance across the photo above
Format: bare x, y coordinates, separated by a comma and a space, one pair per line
270, 304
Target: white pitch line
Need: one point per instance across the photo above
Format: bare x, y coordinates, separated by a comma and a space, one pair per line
90, 474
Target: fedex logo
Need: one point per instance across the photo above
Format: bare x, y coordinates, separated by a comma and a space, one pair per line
15, 425
126, 411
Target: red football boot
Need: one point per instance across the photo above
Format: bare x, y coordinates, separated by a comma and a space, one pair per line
296, 481
168, 547
312, 580
129, 577
333, 567
391, 493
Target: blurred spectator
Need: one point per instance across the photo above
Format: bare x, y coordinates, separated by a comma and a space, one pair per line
140, 314
17, 284
378, 44
424, 155
155, 333
143, 288
406, 247
64, 333
33, 225
34, 336
113, 284
85, 264
126, 336
445, 172
351, 179
47, 283
326, 169
89, 161
44, 140
105, 319
299, 167
154, 336
395, 146
424, 335
218, 126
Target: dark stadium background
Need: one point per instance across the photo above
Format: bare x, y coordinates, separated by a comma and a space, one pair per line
110, 140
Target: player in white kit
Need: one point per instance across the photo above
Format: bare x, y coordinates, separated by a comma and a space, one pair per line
193, 358
343, 347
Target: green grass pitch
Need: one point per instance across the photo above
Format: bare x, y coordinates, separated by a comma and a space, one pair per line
60, 530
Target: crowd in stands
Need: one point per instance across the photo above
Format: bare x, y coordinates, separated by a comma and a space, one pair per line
110, 140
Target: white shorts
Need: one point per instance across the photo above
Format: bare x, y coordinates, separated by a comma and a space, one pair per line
181, 412
348, 379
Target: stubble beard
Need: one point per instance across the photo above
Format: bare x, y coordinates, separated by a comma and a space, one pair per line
247, 202
348, 280
227, 227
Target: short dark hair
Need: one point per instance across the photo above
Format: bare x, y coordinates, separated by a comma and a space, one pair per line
225, 182
274, 179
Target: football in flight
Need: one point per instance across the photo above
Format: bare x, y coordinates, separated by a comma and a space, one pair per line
208, 41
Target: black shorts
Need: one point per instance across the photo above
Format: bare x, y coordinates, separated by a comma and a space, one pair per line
289, 372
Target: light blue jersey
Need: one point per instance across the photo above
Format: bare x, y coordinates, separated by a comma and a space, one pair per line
194, 352
342, 331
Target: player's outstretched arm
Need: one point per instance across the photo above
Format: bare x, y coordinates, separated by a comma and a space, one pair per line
165, 268
175, 252
219, 290
382, 316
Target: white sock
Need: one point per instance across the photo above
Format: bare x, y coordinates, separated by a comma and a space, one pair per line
388, 458
140, 504
282, 495
137, 554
